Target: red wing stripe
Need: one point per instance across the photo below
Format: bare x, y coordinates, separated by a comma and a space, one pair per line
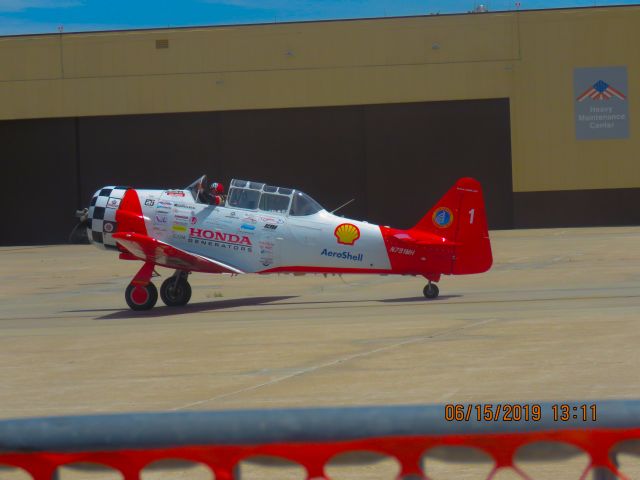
151, 250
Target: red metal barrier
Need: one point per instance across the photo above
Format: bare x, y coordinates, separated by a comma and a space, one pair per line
597, 442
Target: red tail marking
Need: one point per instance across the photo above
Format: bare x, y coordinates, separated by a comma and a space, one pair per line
452, 238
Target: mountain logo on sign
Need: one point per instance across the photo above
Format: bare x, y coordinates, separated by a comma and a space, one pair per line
601, 90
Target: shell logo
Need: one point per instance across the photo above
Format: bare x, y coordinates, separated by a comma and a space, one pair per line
347, 233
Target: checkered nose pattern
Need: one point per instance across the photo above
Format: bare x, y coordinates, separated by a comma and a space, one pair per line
102, 216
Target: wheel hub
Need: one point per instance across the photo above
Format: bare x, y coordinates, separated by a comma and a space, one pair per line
139, 295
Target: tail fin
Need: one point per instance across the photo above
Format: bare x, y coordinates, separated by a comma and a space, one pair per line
460, 217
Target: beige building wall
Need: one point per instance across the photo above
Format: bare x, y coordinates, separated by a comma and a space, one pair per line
526, 56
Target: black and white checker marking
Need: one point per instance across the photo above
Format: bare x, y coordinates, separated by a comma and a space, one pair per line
102, 215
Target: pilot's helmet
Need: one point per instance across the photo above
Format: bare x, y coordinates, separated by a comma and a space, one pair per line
217, 188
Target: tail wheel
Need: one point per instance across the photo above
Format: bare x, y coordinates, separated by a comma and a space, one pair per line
175, 294
141, 297
431, 290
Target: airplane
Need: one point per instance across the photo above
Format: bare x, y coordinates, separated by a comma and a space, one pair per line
265, 229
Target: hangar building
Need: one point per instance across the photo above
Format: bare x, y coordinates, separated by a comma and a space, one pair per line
541, 106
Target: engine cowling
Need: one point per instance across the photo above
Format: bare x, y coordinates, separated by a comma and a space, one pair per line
102, 222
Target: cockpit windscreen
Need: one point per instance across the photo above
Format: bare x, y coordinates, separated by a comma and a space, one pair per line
269, 198
243, 198
303, 205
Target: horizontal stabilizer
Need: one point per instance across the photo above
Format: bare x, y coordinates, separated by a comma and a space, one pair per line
423, 238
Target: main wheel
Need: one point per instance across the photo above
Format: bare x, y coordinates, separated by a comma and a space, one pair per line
140, 297
175, 295
431, 290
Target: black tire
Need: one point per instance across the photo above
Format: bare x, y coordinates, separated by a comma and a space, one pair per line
175, 295
431, 291
141, 298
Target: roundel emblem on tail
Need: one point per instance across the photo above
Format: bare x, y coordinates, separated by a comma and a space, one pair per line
442, 217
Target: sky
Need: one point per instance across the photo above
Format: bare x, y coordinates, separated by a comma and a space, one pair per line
45, 16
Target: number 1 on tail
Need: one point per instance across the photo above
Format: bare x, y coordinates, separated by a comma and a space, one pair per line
472, 212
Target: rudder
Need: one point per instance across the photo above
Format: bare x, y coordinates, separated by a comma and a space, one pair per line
460, 217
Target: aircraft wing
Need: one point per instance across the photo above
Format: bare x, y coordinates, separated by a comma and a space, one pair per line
149, 249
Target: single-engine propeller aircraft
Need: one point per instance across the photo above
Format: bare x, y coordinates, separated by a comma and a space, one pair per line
260, 228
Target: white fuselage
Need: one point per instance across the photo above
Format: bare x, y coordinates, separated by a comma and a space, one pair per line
256, 241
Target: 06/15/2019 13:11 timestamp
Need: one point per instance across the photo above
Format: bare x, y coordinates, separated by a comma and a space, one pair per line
519, 412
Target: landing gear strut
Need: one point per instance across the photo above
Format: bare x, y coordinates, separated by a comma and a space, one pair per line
175, 290
431, 290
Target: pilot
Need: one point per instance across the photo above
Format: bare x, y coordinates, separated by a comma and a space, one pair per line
216, 193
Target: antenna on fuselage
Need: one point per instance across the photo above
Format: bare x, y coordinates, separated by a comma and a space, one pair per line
343, 205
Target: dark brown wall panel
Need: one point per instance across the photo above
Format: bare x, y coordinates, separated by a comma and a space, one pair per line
367, 153
577, 208
415, 152
394, 160
317, 150
147, 151
39, 180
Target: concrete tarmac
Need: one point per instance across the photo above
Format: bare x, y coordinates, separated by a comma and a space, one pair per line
556, 318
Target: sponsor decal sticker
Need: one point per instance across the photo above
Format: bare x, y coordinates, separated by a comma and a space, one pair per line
194, 220
220, 239
343, 255
246, 226
109, 227
442, 217
184, 205
266, 247
149, 202
347, 233
164, 204
270, 226
160, 219
175, 193
179, 228
113, 203
266, 219
221, 236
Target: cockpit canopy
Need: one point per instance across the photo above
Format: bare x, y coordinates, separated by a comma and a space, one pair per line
260, 196
268, 198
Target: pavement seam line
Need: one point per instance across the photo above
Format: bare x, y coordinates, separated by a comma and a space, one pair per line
332, 363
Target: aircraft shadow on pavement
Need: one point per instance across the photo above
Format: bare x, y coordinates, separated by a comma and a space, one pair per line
162, 311
418, 299
377, 300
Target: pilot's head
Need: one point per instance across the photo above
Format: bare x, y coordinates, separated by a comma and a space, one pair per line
217, 188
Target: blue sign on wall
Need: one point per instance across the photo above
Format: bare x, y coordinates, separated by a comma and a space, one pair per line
601, 103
